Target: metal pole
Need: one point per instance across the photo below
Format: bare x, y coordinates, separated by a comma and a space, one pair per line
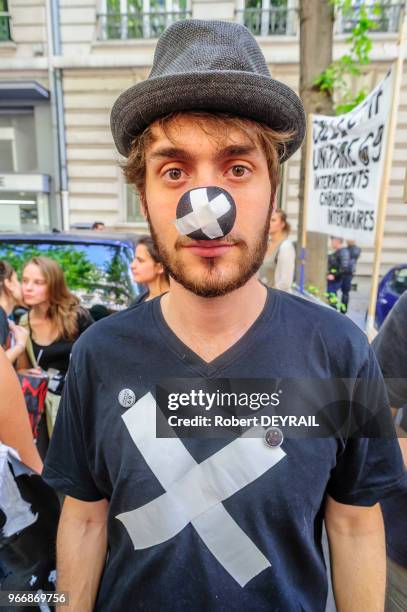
308, 161
57, 108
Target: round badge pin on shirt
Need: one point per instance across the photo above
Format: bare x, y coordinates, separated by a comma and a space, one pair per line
127, 398
273, 437
205, 213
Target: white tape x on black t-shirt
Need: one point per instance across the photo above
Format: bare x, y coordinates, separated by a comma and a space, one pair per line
174, 542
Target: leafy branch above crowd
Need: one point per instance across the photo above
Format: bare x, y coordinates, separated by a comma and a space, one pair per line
336, 79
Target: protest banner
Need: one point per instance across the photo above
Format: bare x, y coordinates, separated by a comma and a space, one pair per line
345, 167
349, 160
384, 187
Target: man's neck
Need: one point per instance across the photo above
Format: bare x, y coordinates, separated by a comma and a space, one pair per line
209, 326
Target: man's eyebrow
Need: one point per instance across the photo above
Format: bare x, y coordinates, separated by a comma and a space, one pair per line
233, 150
171, 153
236, 150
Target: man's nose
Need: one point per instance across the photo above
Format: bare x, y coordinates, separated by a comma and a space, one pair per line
206, 175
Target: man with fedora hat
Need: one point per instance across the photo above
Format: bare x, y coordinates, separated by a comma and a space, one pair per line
155, 521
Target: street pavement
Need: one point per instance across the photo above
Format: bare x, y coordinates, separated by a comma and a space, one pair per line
359, 301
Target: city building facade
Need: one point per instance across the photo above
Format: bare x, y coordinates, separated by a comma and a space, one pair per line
64, 62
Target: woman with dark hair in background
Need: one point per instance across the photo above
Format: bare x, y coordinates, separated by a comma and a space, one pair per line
55, 321
10, 297
148, 270
279, 263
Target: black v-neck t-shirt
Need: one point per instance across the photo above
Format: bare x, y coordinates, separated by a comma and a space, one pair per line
173, 542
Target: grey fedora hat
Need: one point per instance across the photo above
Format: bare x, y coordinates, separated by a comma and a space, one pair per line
209, 66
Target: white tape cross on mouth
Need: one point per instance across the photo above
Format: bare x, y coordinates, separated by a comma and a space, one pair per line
195, 491
206, 213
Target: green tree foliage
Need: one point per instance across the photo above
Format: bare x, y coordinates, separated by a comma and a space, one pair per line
117, 278
105, 280
78, 270
136, 6
336, 78
329, 297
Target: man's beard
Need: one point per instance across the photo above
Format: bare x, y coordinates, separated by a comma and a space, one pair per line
212, 282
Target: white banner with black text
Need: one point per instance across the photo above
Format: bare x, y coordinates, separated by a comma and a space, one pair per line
346, 167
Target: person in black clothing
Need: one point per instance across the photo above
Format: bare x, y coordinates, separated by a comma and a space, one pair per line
390, 346
347, 275
338, 265
354, 254
204, 523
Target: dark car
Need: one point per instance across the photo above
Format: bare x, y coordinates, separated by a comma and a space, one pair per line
392, 285
96, 264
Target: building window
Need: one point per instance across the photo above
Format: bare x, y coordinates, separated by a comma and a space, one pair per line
5, 33
131, 19
133, 206
7, 152
23, 210
268, 18
18, 151
384, 15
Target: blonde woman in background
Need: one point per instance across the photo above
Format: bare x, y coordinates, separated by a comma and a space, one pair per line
55, 321
279, 263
